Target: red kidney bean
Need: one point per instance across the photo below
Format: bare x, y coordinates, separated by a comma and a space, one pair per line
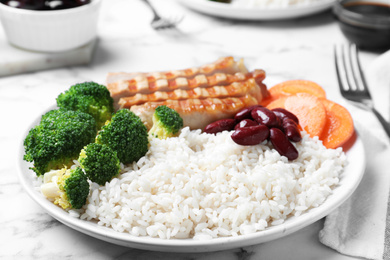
291, 130
288, 121
220, 125
245, 123
292, 133
264, 116
281, 144
251, 135
283, 113
245, 113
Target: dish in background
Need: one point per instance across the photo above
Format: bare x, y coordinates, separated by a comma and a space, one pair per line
45, 5
234, 11
349, 181
365, 22
50, 30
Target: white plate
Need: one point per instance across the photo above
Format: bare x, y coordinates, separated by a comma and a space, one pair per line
257, 13
349, 180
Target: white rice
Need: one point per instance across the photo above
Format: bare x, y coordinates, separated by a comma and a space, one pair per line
203, 186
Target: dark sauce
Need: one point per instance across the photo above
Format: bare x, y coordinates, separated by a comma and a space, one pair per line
363, 33
369, 8
45, 5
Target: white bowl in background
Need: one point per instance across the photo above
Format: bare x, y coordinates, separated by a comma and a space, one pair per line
51, 30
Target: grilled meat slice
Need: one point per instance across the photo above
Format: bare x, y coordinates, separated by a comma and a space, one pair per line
235, 89
222, 65
128, 84
197, 113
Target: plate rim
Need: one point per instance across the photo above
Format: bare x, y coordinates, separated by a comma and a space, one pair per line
291, 225
257, 13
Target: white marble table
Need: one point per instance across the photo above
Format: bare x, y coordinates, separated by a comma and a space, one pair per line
300, 48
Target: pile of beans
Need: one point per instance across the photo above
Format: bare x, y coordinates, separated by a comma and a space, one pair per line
255, 124
44, 5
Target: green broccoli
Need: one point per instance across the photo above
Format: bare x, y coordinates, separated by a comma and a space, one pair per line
166, 123
126, 135
99, 162
69, 190
58, 139
88, 97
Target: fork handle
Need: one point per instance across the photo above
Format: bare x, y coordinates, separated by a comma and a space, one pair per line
385, 124
151, 7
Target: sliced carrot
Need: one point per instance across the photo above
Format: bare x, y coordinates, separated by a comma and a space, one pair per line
276, 103
266, 101
292, 87
308, 108
350, 142
310, 112
318, 116
339, 130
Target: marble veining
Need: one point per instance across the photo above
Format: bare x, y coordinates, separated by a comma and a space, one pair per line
299, 48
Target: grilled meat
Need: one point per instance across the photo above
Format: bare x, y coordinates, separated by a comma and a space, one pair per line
128, 84
200, 95
235, 89
197, 113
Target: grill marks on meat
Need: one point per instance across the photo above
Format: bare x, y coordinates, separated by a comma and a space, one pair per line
222, 65
197, 113
126, 84
149, 85
237, 85
200, 95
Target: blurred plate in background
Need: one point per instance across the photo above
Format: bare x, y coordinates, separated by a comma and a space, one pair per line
257, 13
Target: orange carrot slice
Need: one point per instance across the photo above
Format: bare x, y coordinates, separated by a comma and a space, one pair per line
266, 101
292, 87
276, 103
339, 130
308, 108
310, 112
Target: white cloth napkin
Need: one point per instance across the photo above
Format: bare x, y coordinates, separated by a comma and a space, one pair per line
357, 228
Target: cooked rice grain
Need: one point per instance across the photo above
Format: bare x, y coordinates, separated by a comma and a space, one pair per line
203, 186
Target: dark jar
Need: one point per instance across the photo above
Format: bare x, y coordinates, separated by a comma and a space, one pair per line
365, 23
44, 5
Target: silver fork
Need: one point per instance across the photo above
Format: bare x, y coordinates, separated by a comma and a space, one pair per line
159, 22
352, 83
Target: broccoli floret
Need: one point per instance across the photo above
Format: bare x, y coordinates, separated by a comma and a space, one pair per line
88, 97
69, 190
58, 139
99, 162
166, 123
126, 135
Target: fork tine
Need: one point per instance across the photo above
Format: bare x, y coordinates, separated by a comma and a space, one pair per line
341, 85
349, 68
159, 22
358, 74
164, 23
352, 54
342, 70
